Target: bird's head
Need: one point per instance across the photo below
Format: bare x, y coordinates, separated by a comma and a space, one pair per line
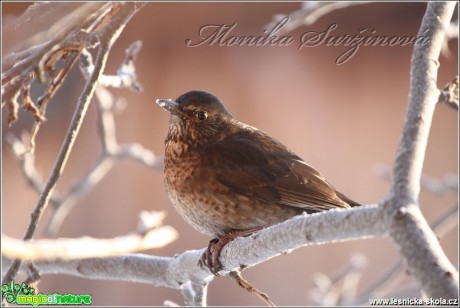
196, 117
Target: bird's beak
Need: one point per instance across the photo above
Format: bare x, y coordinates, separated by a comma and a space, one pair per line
171, 106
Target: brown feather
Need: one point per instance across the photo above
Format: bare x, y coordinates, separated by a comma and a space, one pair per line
223, 175
271, 173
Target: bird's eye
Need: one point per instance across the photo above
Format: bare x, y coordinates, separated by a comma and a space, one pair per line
201, 115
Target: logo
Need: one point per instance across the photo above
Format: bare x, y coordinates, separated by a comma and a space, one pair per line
22, 294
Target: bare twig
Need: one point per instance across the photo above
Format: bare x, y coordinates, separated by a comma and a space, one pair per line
86, 247
59, 40
42, 101
449, 183
449, 95
150, 234
447, 221
82, 187
44, 25
195, 292
126, 74
107, 37
342, 287
248, 287
32, 276
308, 14
27, 160
112, 151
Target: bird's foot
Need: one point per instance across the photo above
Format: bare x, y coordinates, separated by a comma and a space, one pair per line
211, 257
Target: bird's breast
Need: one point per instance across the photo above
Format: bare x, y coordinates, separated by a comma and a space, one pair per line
206, 203
186, 185
177, 157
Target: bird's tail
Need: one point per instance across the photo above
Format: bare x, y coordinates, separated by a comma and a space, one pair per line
346, 199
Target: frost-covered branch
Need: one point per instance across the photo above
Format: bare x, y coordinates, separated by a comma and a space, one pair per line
418, 245
184, 271
106, 36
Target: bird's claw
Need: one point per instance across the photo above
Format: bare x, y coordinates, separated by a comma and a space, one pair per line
210, 257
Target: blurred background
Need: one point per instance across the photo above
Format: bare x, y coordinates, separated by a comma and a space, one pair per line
345, 120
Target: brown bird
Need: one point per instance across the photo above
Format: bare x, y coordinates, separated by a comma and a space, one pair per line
229, 179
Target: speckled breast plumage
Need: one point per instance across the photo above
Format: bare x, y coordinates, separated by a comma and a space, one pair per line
206, 204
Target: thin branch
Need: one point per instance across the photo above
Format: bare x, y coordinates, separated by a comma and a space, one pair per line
107, 37
27, 161
106, 103
308, 14
141, 155
64, 36
449, 183
447, 221
111, 150
449, 95
126, 74
195, 293
126, 77
100, 168
86, 247
150, 234
87, 182
42, 101
62, 19
341, 288
248, 287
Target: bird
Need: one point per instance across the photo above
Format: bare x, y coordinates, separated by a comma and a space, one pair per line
229, 179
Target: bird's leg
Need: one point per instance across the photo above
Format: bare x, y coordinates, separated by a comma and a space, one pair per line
210, 257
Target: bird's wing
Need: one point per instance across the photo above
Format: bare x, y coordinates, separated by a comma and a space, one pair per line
254, 164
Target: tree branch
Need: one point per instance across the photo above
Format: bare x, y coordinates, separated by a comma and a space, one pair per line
27, 160
395, 272
107, 36
62, 37
417, 243
86, 247
423, 96
303, 230
183, 270
150, 234
111, 149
